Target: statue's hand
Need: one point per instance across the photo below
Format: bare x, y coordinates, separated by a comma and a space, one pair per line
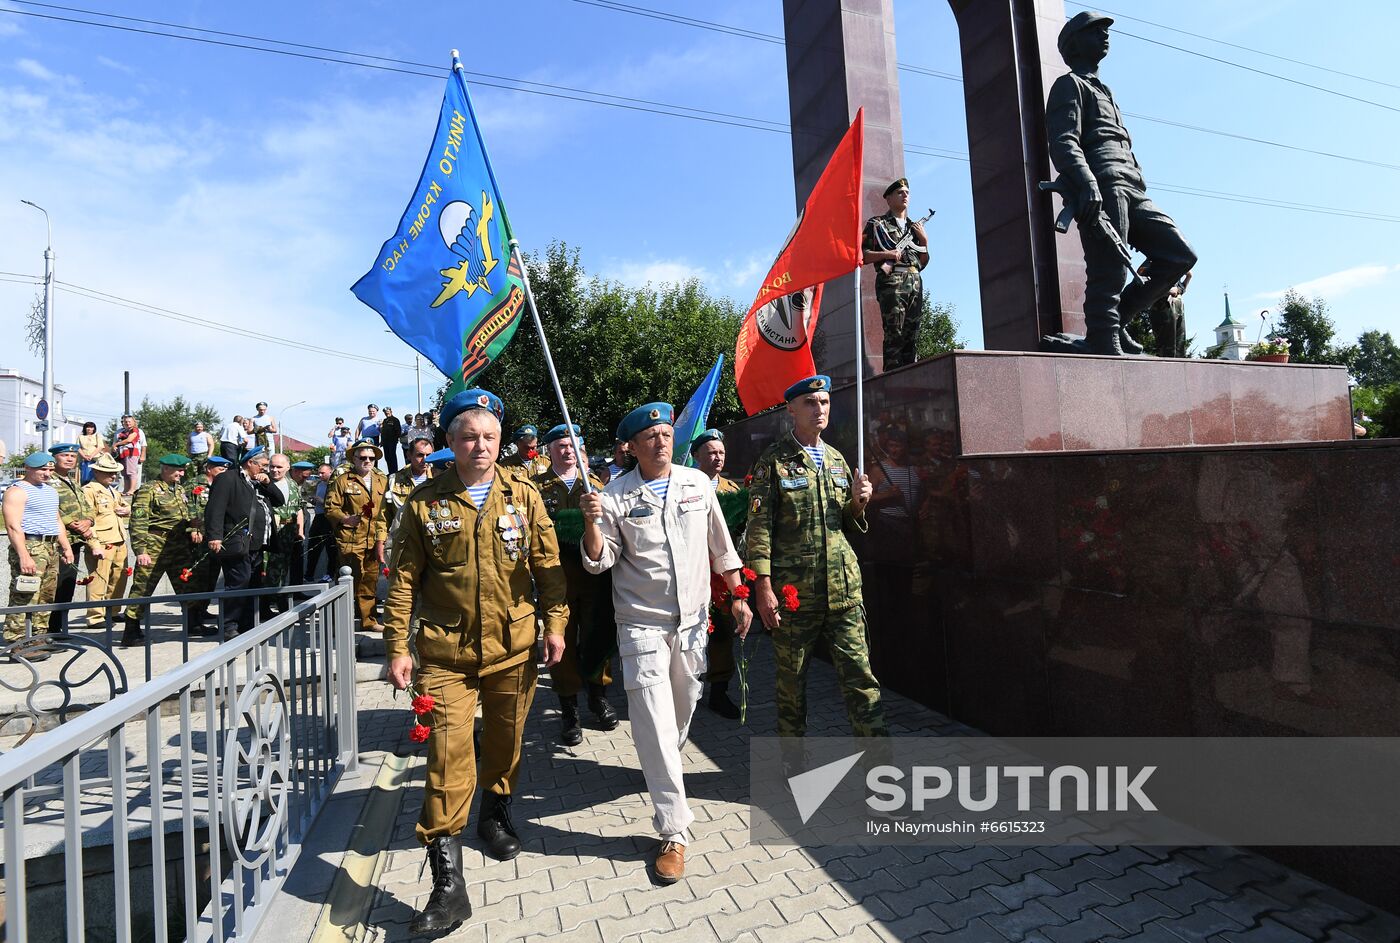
1091, 206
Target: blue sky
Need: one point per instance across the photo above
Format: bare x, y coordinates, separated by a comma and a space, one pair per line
252, 189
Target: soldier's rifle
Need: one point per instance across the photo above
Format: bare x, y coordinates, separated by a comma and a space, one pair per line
907, 240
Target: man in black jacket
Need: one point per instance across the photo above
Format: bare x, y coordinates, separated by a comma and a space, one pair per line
389, 431
238, 526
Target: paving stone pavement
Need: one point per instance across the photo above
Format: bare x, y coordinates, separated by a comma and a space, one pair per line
584, 818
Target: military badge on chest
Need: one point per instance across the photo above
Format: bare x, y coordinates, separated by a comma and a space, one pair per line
511, 528
441, 521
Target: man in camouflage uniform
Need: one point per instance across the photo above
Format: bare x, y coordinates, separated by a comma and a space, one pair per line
38, 544
803, 502
76, 511
284, 559
164, 535
352, 507
524, 452
110, 510
562, 486
205, 572
708, 451
898, 286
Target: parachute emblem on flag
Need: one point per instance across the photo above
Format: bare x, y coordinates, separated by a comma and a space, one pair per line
784, 321
470, 240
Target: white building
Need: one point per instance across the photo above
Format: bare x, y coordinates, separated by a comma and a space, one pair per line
19, 395
1229, 336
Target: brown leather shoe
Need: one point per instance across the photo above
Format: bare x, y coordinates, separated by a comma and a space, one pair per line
670, 862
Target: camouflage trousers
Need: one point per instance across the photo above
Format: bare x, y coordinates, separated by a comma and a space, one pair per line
46, 563
172, 557
901, 298
282, 562
844, 633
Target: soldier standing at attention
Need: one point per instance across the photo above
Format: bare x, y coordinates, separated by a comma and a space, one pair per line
353, 508
662, 535
109, 515
562, 487
708, 452
803, 501
34, 528
164, 534
898, 286
76, 511
476, 551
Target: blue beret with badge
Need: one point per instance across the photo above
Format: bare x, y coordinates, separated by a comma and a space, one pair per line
559, 432
440, 458
256, 451
644, 417
709, 435
38, 460
817, 384
526, 431
217, 461
475, 398
61, 447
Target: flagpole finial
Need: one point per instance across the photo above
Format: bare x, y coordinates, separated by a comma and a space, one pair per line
456, 62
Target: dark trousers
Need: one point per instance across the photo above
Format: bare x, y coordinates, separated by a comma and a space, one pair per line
321, 539
241, 571
1145, 227
391, 457
67, 584
229, 450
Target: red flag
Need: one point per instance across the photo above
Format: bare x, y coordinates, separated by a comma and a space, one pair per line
774, 347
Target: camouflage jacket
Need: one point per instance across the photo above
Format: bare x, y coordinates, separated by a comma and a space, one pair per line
798, 520
286, 512
159, 511
197, 496
882, 234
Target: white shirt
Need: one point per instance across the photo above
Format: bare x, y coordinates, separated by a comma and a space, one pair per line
663, 552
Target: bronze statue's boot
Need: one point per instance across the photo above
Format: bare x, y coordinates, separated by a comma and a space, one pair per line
603, 712
448, 905
1125, 340
495, 828
570, 731
1103, 339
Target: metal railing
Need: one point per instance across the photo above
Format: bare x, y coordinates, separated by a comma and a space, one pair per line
215, 770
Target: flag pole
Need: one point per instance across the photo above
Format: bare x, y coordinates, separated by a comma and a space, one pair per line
860, 380
549, 362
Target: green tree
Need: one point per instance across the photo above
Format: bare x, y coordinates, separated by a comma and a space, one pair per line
615, 347
938, 330
1377, 362
1381, 406
168, 426
17, 459
1309, 329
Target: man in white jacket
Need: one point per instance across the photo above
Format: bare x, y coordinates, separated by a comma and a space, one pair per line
662, 533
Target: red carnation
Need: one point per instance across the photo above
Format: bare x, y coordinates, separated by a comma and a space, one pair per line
198, 490
367, 510
749, 575
128, 571
740, 592
533, 453
748, 480
185, 575
423, 704
383, 571
790, 598
419, 733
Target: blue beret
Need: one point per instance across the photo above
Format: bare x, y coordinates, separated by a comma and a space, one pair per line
709, 435
217, 460
255, 452
38, 460
644, 417
475, 398
817, 384
62, 447
440, 457
559, 432
306, 465
525, 430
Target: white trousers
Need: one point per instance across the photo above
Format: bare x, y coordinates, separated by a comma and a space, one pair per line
661, 672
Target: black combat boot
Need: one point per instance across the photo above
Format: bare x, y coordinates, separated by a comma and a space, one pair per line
495, 828
448, 905
720, 702
570, 733
603, 712
131, 631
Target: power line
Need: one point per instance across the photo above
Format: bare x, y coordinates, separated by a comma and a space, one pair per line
1222, 42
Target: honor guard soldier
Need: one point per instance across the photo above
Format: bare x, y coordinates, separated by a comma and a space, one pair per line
352, 506
164, 534
898, 286
562, 486
476, 552
803, 502
708, 451
524, 451
110, 511
38, 545
662, 535
76, 511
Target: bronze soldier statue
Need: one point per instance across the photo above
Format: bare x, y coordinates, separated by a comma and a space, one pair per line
1101, 180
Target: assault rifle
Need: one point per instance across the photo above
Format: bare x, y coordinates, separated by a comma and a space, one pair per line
906, 242
1102, 225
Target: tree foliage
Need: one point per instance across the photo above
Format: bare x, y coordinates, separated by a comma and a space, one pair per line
938, 330
1309, 329
1377, 360
168, 426
615, 347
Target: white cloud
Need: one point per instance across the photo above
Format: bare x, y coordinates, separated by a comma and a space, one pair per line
36, 70
655, 272
114, 64
9, 27
1337, 284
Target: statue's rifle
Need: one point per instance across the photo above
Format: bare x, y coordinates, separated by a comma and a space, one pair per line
1102, 225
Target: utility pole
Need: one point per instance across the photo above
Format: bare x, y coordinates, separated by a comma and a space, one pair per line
418, 381
47, 434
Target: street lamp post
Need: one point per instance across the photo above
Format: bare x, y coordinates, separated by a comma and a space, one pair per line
281, 424
47, 434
